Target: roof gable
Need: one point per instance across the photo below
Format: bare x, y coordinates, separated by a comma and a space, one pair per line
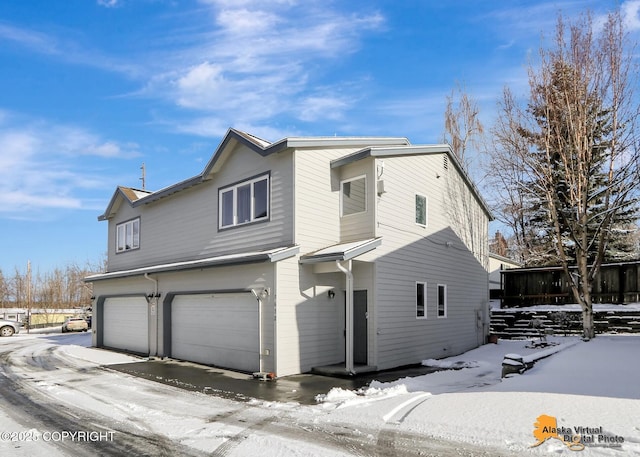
122, 193
262, 147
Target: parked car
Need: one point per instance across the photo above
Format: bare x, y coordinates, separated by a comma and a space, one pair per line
8, 328
75, 324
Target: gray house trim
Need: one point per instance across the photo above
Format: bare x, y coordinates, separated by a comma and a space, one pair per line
390, 152
273, 255
344, 251
261, 147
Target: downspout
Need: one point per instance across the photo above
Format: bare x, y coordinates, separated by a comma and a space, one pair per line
257, 295
348, 316
154, 299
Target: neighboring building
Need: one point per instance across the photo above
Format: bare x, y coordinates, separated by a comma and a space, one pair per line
498, 263
282, 257
42, 317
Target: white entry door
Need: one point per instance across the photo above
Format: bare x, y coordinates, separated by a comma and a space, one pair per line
126, 324
216, 329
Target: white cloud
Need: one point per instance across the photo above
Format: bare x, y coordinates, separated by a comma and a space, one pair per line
258, 60
631, 14
36, 172
317, 107
31, 39
108, 3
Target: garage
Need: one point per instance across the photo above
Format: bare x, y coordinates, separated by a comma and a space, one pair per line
216, 329
126, 324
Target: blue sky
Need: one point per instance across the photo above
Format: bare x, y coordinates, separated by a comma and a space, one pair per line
91, 89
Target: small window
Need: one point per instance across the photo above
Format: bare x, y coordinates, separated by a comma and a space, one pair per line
442, 300
354, 197
421, 210
421, 300
128, 235
244, 202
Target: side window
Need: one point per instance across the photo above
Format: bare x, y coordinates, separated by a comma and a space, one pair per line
128, 235
421, 300
421, 210
353, 196
442, 300
244, 203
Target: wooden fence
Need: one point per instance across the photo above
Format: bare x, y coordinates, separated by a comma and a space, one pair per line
616, 283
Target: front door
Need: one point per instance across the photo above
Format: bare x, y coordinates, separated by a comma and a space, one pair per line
360, 347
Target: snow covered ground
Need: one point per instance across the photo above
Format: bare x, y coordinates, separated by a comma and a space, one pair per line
593, 384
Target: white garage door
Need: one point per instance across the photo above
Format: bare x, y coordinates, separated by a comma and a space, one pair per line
126, 324
219, 330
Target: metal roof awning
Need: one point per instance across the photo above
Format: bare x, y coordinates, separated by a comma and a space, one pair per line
272, 255
341, 252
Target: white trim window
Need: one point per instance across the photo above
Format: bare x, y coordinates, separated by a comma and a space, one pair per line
353, 196
128, 235
421, 210
442, 300
421, 300
244, 203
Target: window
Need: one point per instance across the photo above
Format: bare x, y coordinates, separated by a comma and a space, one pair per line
354, 197
244, 202
128, 235
421, 210
421, 300
442, 300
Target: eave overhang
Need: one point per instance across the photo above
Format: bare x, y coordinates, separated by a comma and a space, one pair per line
341, 252
272, 255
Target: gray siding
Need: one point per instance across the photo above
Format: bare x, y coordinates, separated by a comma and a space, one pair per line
317, 200
184, 226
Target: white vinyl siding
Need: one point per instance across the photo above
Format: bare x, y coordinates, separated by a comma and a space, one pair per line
434, 254
310, 324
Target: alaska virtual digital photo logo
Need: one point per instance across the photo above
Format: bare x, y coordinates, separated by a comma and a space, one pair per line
575, 438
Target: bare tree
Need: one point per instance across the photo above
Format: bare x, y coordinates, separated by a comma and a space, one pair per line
580, 166
462, 124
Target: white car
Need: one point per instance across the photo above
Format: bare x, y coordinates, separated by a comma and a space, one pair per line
8, 328
75, 324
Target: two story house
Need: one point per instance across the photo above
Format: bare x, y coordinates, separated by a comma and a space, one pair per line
365, 253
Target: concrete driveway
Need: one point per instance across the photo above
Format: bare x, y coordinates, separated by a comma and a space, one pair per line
301, 388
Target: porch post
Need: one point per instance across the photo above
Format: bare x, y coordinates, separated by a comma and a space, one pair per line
348, 315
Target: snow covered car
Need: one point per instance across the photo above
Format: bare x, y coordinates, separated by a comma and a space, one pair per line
8, 328
75, 324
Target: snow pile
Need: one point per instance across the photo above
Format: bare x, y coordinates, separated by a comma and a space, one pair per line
339, 397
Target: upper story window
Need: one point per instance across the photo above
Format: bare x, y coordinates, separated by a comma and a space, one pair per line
128, 235
421, 210
244, 203
353, 196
